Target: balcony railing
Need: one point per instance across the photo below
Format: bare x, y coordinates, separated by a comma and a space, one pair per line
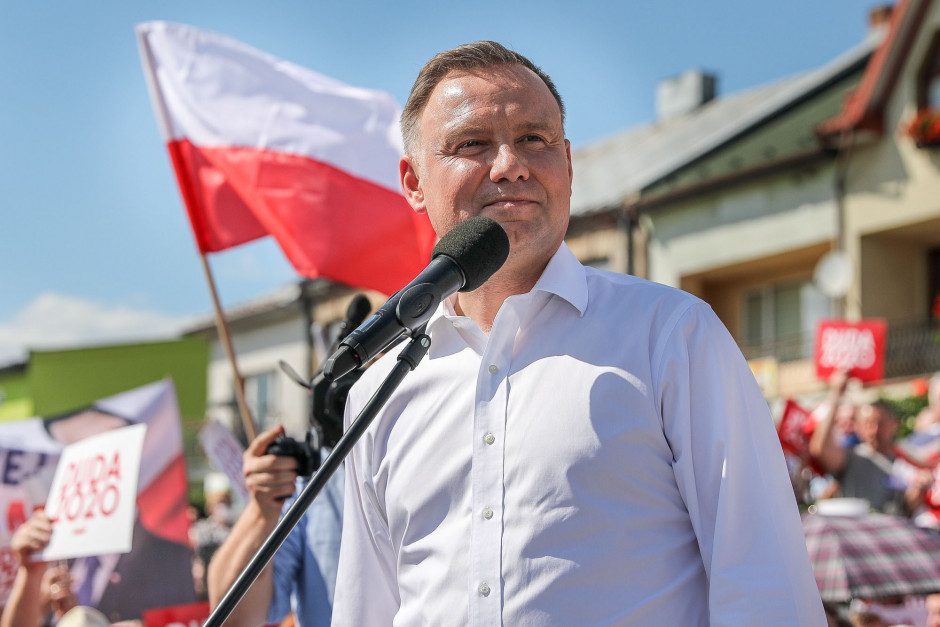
912, 349
784, 348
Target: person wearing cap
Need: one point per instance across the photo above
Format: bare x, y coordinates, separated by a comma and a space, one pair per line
579, 447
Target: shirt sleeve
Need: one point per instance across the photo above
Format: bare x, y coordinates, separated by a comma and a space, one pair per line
366, 581
731, 473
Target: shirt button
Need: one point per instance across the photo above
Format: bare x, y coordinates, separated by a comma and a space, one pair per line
487, 513
493, 369
489, 438
457, 324
484, 589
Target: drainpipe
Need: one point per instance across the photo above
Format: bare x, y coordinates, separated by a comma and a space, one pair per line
627, 222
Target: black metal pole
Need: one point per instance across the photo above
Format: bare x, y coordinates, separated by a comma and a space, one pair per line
408, 360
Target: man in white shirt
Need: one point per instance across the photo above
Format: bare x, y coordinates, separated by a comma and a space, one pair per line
579, 447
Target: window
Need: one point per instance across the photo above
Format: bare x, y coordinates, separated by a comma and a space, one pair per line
928, 88
260, 394
780, 319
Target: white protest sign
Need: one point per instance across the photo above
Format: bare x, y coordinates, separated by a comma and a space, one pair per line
225, 454
93, 496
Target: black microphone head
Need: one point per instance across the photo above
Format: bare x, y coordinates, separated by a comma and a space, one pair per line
480, 247
357, 311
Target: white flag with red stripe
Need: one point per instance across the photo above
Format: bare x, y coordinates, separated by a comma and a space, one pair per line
262, 146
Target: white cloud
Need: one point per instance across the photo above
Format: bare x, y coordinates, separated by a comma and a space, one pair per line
57, 321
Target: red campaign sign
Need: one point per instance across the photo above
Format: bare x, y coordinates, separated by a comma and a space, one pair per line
856, 347
189, 615
795, 429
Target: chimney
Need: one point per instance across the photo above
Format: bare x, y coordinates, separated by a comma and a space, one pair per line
879, 16
683, 94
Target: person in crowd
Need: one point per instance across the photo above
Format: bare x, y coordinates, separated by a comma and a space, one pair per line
42, 591
845, 424
156, 572
579, 447
867, 619
207, 533
933, 610
827, 486
866, 470
304, 567
834, 616
927, 421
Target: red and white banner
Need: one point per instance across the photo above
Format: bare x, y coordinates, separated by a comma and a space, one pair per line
28, 457
158, 569
795, 429
855, 347
265, 147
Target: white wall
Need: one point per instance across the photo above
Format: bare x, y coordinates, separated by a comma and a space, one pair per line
744, 223
258, 350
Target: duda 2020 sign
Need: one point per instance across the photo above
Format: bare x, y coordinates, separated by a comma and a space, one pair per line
856, 347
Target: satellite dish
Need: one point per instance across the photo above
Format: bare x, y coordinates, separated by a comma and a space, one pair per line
834, 274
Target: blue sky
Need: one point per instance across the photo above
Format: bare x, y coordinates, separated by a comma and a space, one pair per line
96, 247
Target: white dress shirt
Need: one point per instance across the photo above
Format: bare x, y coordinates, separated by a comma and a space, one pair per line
604, 457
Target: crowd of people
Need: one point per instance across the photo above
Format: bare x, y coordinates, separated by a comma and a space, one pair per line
63, 594
856, 450
579, 447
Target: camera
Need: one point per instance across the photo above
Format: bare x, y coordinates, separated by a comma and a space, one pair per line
328, 403
305, 452
326, 421
329, 406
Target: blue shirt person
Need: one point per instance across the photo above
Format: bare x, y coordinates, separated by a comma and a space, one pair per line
301, 577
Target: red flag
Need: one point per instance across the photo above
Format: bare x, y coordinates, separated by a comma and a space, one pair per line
263, 147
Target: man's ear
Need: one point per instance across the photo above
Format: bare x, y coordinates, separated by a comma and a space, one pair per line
408, 173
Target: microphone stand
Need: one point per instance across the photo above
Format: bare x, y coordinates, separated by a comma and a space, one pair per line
408, 360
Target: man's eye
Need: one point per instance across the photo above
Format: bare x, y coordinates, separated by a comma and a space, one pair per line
533, 138
472, 143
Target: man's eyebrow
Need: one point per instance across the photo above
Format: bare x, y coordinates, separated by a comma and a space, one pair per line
545, 127
461, 131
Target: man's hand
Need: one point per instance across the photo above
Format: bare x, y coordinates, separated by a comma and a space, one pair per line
56, 589
823, 445
838, 382
270, 478
30, 537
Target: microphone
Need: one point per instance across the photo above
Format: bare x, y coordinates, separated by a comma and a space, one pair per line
467, 255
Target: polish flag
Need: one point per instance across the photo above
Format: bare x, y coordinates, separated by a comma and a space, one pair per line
261, 146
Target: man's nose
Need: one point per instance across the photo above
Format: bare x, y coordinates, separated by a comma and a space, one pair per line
508, 165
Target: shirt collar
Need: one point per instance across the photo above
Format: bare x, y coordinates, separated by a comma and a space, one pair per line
564, 276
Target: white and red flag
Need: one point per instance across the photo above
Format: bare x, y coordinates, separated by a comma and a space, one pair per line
262, 146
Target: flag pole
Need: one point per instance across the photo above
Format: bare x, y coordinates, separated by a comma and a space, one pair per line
226, 339
191, 200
